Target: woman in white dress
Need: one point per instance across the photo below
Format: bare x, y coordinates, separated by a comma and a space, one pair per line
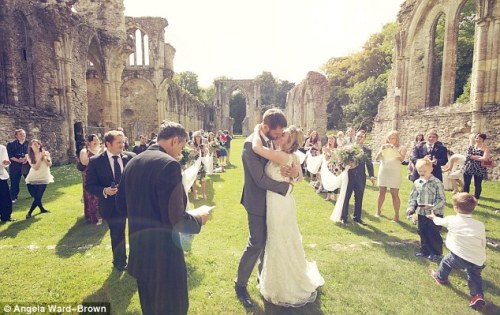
287, 279
389, 172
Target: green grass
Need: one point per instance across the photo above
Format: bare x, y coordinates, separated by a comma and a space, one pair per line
56, 257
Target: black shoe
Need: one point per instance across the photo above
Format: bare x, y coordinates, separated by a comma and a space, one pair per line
434, 258
44, 211
28, 216
360, 221
243, 296
120, 268
9, 220
420, 255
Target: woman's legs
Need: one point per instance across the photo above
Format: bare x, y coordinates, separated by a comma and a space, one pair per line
396, 203
381, 199
478, 180
203, 188
467, 181
37, 192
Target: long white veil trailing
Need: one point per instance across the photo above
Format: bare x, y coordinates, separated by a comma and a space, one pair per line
189, 175
337, 210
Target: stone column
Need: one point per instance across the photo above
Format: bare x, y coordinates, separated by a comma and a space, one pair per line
448, 76
478, 82
494, 93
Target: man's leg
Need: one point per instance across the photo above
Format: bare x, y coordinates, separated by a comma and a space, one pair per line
15, 178
117, 233
254, 249
359, 190
5, 201
348, 194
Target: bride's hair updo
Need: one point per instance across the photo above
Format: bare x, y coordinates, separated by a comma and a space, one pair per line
294, 139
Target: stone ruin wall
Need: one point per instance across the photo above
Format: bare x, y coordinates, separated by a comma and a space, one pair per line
411, 109
54, 88
306, 103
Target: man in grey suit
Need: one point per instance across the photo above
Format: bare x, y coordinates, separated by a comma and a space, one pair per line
254, 198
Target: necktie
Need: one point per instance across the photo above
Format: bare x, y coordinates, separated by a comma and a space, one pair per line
118, 170
269, 144
430, 150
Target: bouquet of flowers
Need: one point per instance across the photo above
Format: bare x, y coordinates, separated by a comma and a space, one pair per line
186, 152
350, 155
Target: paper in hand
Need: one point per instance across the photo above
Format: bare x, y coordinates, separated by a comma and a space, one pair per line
205, 208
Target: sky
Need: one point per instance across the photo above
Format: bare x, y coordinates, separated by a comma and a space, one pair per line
240, 39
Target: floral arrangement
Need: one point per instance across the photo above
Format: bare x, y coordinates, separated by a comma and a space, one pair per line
350, 155
186, 153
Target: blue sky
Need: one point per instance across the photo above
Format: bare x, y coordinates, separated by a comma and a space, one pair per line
242, 38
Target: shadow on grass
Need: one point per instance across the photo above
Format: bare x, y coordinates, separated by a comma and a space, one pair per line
80, 238
13, 228
490, 199
117, 290
269, 308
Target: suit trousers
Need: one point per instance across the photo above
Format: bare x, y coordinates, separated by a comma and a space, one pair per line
5, 201
431, 242
159, 297
254, 250
116, 226
357, 185
15, 178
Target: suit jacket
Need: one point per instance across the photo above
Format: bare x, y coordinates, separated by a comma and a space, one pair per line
257, 182
100, 176
152, 193
439, 152
359, 171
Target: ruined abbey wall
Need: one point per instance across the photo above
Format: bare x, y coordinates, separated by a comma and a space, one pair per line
65, 64
306, 103
413, 106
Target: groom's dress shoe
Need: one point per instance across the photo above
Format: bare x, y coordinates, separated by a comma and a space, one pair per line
360, 221
243, 296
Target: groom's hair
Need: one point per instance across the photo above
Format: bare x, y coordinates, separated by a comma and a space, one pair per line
274, 118
170, 129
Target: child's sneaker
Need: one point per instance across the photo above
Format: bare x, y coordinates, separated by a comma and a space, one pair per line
477, 302
420, 255
435, 277
434, 258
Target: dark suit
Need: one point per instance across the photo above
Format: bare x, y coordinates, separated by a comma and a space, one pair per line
99, 176
439, 152
357, 183
152, 193
254, 200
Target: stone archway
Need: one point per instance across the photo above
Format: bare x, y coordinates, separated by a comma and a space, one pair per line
251, 91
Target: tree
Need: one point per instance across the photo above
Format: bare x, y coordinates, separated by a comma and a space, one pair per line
268, 88
189, 81
365, 97
283, 88
237, 110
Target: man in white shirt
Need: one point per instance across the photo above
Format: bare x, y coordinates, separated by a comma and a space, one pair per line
466, 241
5, 201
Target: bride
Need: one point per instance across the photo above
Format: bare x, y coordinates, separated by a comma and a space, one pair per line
287, 279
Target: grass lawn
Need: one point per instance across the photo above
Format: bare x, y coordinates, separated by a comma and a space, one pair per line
57, 258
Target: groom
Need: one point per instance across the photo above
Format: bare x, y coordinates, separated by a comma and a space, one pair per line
254, 197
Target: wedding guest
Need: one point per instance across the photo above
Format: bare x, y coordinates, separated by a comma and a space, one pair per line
357, 181
427, 195
350, 136
228, 146
435, 151
333, 164
39, 174
419, 139
340, 139
126, 143
199, 150
90, 201
142, 145
17, 151
455, 165
466, 240
104, 173
390, 154
476, 154
223, 150
5, 201
313, 145
153, 197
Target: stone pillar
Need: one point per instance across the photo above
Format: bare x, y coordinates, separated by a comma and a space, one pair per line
478, 82
494, 93
449, 63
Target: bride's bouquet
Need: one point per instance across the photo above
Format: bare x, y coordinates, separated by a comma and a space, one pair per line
350, 155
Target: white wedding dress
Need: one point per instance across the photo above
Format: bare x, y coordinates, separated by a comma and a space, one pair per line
287, 279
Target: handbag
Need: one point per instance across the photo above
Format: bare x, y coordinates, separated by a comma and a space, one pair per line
81, 167
487, 163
